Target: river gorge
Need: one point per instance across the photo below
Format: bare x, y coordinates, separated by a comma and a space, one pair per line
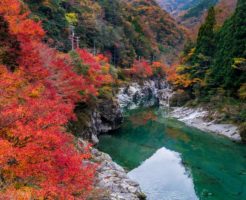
173, 161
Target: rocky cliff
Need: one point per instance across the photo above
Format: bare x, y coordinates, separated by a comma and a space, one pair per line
112, 179
106, 116
144, 93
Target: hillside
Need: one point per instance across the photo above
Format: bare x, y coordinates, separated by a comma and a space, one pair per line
186, 10
213, 69
125, 30
175, 7
224, 9
192, 13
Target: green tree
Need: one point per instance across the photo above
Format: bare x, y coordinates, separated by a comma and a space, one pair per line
205, 41
201, 59
231, 45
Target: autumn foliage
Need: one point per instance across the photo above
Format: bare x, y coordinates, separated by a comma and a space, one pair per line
145, 69
98, 68
38, 158
141, 69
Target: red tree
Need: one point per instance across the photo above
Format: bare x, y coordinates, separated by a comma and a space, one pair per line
142, 69
38, 159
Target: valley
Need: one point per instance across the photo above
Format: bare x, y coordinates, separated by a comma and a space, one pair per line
122, 99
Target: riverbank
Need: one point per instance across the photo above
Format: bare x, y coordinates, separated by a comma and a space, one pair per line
113, 180
158, 92
196, 117
169, 159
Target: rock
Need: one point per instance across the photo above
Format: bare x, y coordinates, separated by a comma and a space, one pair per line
94, 139
196, 117
105, 117
148, 93
113, 178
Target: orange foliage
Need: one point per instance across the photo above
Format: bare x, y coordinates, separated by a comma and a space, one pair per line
141, 69
98, 73
175, 76
159, 69
38, 159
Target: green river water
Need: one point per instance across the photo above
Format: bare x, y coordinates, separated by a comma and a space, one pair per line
171, 161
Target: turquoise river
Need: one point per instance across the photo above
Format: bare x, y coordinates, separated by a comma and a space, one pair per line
171, 161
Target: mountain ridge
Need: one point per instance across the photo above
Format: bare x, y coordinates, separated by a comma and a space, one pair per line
192, 13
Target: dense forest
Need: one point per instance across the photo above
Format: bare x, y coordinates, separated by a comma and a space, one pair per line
124, 30
214, 66
59, 59
40, 88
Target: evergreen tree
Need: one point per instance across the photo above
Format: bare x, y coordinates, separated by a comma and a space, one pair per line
230, 49
204, 48
205, 40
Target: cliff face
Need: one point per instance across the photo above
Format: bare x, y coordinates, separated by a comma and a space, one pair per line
144, 94
106, 116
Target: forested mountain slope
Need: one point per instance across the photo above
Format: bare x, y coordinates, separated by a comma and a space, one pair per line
192, 13
176, 6
224, 9
186, 9
125, 30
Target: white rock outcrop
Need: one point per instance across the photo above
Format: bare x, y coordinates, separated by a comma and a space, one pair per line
195, 117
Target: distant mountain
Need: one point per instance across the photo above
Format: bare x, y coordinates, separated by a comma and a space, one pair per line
186, 8
174, 7
187, 12
191, 13
224, 10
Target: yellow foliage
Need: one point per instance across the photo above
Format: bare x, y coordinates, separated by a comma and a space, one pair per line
181, 68
189, 55
105, 68
36, 92
72, 18
242, 91
22, 193
192, 51
239, 63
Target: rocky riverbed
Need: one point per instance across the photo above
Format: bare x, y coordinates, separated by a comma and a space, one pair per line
196, 117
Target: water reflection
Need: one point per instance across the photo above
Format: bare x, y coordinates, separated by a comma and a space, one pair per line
163, 177
217, 165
